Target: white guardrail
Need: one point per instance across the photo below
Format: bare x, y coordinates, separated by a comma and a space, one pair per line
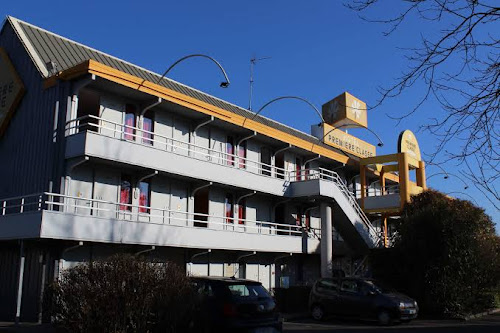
146, 214
162, 142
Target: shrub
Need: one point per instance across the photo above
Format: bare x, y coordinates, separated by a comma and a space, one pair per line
447, 255
122, 294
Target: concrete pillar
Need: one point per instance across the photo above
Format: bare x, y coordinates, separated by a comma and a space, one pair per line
326, 240
421, 181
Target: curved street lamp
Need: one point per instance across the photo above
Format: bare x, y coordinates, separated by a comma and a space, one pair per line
223, 84
380, 142
458, 192
289, 97
447, 175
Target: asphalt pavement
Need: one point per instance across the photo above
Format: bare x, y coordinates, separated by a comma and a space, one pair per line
486, 324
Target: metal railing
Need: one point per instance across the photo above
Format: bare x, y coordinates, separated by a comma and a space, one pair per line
146, 214
325, 174
372, 191
176, 146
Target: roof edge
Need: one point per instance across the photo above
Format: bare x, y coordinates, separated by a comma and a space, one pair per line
37, 61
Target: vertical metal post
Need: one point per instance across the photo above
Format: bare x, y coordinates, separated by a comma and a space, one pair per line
22, 205
42, 287
20, 282
326, 240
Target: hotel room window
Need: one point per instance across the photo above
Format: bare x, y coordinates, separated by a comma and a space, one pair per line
242, 211
228, 207
265, 159
230, 150
144, 197
148, 127
242, 155
129, 123
126, 193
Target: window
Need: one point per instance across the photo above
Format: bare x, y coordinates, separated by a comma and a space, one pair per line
308, 219
242, 211
148, 127
126, 193
129, 127
248, 291
298, 169
265, 159
327, 285
242, 154
230, 150
228, 206
144, 197
298, 217
349, 286
89, 105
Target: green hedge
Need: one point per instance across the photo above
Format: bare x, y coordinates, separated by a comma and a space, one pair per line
447, 256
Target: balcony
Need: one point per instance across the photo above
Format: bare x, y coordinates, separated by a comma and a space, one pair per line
99, 138
55, 216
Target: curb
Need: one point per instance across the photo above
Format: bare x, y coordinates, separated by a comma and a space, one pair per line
295, 316
481, 314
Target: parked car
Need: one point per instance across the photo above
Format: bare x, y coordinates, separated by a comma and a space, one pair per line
360, 298
234, 305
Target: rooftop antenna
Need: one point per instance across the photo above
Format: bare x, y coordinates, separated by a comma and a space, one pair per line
253, 61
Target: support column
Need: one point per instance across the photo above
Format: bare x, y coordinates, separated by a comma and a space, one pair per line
362, 180
326, 240
404, 179
421, 181
386, 241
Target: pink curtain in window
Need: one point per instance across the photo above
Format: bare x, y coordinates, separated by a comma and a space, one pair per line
147, 125
129, 124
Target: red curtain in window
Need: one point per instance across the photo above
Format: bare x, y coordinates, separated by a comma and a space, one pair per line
308, 219
242, 154
125, 195
144, 197
229, 212
147, 126
230, 150
129, 128
298, 217
242, 212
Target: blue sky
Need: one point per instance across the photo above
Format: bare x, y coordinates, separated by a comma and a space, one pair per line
319, 49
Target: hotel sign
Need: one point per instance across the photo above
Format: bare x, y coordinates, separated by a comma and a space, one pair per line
346, 111
348, 143
11, 90
407, 143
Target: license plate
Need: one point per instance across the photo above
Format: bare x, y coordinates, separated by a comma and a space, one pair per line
412, 311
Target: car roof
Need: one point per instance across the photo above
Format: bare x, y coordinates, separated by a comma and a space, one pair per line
224, 279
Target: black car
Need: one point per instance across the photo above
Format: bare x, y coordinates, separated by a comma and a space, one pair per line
234, 305
360, 298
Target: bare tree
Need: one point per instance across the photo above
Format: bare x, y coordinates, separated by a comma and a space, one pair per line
460, 69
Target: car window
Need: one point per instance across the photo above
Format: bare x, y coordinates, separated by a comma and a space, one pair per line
247, 290
349, 286
203, 288
327, 286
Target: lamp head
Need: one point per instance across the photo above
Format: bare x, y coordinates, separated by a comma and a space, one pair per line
446, 177
466, 187
224, 84
380, 144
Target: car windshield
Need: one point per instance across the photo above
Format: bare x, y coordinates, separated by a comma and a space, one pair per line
380, 287
248, 290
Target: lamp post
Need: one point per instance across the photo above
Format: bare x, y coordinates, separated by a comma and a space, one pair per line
223, 84
289, 97
380, 142
447, 175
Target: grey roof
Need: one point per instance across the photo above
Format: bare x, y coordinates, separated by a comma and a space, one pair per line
45, 46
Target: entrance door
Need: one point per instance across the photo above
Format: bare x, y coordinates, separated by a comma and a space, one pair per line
201, 208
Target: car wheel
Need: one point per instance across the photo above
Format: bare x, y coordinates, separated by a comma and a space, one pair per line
384, 317
317, 312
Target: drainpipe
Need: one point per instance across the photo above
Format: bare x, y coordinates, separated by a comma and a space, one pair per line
245, 196
254, 133
273, 171
200, 188
238, 261
152, 248
61, 261
309, 161
68, 178
140, 119
20, 281
200, 125
198, 255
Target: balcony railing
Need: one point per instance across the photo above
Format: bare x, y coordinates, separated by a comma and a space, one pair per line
166, 143
146, 214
